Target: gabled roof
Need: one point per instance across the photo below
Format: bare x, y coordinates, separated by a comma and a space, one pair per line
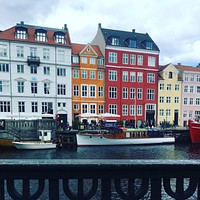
188, 68
124, 36
9, 34
78, 48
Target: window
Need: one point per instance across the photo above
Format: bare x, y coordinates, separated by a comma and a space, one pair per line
3, 50
100, 91
185, 101
139, 93
168, 99
198, 78
139, 110
150, 78
92, 75
161, 99
170, 75
133, 59
75, 59
33, 87
59, 38
192, 77
46, 107
125, 93
161, 112
132, 110
125, 76
46, 88
176, 100
84, 91
61, 89
84, 74
46, 54
198, 89
132, 93
169, 86
20, 68
197, 101
125, 59
112, 57
190, 114
92, 91
61, 72
33, 51
21, 34
21, 106
191, 89
168, 112
100, 108
20, 86
185, 88
162, 86
34, 106
76, 107
125, 110
100, 61
186, 77
140, 77
84, 108
112, 92
41, 36
115, 41
4, 86
112, 75
61, 56
20, 51
132, 43
177, 87
185, 113
4, 106
84, 60
33, 69
191, 101
100, 75
92, 108
151, 61
150, 94
132, 76
76, 89
140, 60
46, 70
75, 73
92, 61
112, 108
149, 45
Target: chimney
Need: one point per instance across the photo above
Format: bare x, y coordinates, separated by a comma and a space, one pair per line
133, 30
198, 65
22, 22
65, 26
99, 25
179, 63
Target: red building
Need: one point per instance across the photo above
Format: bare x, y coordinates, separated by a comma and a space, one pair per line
131, 62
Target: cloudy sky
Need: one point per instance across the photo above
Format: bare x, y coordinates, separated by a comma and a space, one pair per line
173, 24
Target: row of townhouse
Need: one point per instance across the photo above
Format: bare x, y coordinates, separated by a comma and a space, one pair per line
42, 71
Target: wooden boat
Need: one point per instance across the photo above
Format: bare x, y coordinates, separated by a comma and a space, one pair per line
44, 142
121, 137
194, 127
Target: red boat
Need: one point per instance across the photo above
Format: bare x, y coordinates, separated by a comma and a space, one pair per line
194, 127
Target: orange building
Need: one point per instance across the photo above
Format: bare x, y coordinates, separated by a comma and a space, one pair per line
88, 79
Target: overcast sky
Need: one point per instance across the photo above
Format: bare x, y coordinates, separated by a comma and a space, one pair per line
173, 24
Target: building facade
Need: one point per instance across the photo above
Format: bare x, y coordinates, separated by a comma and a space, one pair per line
169, 96
88, 80
131, 62
35, 72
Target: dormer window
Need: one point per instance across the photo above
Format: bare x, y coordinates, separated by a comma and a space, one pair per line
115, 41
41, 35
59, 38
170, 75
132, 43
149, 45
21, 33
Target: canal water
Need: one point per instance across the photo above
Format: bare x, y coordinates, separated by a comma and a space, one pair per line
171, 151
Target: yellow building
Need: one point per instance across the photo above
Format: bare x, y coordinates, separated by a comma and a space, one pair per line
88, 79
169, 95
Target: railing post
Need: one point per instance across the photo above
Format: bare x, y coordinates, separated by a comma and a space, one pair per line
53, 189
106, 189
2, 193
156, 188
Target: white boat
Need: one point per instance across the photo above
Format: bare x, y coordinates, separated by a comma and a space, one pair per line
44, 142
124, 137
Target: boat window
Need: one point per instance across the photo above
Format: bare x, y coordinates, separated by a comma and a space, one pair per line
45, 133
40, 133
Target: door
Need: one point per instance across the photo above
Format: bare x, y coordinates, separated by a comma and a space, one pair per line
175, 117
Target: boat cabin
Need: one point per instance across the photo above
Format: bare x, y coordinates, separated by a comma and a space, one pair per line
45, 135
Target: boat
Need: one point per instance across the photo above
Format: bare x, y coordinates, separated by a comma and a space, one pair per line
194, 129
44, 142
127, 136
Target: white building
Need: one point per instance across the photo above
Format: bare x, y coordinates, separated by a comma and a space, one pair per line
35, 72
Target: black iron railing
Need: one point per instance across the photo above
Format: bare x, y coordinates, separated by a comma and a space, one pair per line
99, 179
33, 60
